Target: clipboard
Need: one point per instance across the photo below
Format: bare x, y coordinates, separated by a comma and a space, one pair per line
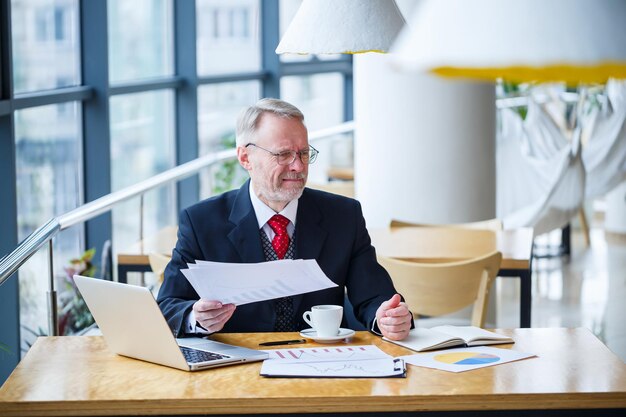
369, 368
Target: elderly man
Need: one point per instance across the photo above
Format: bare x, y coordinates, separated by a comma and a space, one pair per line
273, 216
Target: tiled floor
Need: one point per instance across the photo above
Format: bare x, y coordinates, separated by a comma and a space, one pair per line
586, 290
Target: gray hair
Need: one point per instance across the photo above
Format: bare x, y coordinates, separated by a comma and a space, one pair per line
249, 118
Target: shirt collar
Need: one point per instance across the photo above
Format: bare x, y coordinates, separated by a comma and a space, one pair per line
264, 212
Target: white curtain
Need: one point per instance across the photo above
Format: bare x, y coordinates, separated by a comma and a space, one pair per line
604, 147
543, 177
540, 173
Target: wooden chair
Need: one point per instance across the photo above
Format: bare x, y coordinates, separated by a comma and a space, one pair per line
491, 224
435, 289
158, 262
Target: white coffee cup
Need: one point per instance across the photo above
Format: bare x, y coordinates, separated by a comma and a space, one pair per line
324, 319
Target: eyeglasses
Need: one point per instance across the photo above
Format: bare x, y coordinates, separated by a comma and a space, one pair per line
287, 157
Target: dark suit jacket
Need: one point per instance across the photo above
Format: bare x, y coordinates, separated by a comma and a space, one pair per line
329, 228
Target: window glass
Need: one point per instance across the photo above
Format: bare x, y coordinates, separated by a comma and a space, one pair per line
45, 42
48, 163
228, 37
320, 97
142, 145
140, 39
218, 108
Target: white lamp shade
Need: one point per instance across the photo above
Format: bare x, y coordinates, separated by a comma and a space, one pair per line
577, 41
342, 26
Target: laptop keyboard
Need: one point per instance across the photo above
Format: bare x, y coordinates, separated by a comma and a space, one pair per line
196, 356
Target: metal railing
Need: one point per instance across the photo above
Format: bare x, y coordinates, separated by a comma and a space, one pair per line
11, 262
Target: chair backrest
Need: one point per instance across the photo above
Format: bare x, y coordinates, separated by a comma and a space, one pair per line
491, 224
158, 262
435, 289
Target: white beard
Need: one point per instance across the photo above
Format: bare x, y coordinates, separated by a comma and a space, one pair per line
283, 196
280, 195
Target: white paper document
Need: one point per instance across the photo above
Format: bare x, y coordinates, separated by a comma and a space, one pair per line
333, 362
239, 283
465, 359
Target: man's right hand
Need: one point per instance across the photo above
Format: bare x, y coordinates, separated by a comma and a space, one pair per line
212, 315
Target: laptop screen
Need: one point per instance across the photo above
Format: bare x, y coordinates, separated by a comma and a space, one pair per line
133, 325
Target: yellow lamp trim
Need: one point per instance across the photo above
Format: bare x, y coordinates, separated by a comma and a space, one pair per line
570, 74
378, 51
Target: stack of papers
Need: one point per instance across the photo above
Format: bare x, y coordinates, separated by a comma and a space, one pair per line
333, 362
239, 284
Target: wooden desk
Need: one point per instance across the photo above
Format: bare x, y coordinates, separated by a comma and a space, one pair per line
135, 258
68, 375
445, 244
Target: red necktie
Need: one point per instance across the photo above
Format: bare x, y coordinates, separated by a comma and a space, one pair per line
280, 243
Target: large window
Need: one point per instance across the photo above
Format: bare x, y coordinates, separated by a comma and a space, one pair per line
228, 36
48, 155
142, 145
48, 147
320, 98
100, 99
45, 44
218, 107
140, 39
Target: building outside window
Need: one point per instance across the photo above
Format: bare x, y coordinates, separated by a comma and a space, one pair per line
228, 36
45, 44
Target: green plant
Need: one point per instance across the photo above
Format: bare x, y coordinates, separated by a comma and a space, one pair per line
228, 174
32, 336
74, 315
511, 89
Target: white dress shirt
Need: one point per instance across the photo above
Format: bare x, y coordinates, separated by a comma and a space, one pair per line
263, 213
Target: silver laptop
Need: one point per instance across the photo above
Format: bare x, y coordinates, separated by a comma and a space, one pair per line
132, 325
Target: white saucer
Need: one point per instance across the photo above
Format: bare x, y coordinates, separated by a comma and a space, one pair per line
312, 334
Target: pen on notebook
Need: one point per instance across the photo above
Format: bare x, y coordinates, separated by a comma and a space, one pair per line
283, 342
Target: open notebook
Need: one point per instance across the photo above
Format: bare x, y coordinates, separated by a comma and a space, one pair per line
133, 326
441, 337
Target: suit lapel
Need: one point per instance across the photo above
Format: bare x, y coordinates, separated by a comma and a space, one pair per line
245, 234
310, 236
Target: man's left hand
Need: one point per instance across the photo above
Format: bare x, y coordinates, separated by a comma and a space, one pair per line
394, 318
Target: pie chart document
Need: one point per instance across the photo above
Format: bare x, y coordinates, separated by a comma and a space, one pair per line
465, 359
